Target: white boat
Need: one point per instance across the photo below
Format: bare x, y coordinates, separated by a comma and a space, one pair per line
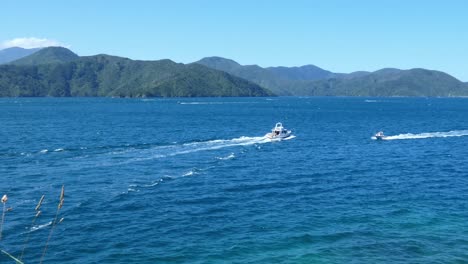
379, 135
278, 132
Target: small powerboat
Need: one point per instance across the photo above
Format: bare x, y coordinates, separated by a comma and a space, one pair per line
278, 132
379, 135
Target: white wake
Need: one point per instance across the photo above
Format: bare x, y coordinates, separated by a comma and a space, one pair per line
454, 133
133, 155
213, 145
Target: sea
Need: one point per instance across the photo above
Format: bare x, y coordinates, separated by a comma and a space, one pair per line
193, 180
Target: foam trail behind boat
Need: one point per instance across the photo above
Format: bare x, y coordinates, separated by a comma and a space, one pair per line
131, 154
217, 144
454, 133
180, 149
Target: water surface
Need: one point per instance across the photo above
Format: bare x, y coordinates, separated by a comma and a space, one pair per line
193, 181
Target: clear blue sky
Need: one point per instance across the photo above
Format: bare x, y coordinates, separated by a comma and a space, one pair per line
341, 36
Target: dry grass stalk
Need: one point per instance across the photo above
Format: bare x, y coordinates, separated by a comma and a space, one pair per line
4, 201
54, 223
38, 213
12, 257
39, 203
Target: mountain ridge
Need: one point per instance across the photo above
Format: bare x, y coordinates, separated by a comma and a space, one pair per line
14, 53
414, 82
46, 56
59, 72
310, 80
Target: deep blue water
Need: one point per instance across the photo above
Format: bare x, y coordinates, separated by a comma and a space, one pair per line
192, 181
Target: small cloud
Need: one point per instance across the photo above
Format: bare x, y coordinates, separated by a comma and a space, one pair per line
29, 43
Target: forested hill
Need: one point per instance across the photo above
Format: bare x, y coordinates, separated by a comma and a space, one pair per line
388, 82
47, 56
57, 71
311, 80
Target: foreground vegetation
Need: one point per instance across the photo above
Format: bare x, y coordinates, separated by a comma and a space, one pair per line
37, 213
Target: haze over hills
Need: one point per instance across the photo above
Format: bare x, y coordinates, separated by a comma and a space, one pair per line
310, 80
15, 53
57, 71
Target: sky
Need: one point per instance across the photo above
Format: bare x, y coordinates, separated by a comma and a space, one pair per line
340, 36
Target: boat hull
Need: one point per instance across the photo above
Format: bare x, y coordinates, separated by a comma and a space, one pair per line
280, 136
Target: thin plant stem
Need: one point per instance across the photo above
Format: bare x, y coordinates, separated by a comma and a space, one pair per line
53, 223
50, 235
13, 258
38, 212
4, 200
1, 223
